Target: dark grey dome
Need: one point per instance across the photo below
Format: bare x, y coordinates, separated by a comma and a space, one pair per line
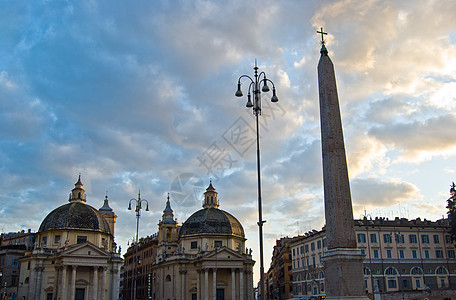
75, 215
212, 221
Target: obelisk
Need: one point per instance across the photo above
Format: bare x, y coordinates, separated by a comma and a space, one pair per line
343, 262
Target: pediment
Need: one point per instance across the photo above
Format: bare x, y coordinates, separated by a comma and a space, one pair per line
224, 253
84, 249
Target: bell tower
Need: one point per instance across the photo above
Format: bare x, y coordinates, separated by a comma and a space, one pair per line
107, 213
167, 230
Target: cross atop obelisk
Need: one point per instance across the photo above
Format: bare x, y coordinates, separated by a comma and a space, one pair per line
343, 262
322, 33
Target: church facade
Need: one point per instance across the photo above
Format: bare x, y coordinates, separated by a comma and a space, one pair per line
75, 256
203, 259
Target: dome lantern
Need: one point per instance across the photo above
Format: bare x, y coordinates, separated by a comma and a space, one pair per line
78, 193
210, 197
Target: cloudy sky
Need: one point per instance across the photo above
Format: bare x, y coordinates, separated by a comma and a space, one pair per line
140, 96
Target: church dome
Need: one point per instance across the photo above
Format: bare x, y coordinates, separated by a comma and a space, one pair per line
211, 221
75, 215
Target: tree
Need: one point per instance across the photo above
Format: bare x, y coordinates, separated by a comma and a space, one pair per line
452, 211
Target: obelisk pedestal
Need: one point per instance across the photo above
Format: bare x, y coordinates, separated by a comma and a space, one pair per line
343, 262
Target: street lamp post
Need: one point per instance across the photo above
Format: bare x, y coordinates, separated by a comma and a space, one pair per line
254, 87
138, 214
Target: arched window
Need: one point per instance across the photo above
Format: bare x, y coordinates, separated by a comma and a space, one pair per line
391, 271
367, 271
441, 270
416, 271
168, 278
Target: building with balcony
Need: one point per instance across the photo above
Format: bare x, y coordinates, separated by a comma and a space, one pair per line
401, 256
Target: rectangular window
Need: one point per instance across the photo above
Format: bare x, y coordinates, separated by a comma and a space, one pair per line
436, 239
15, 263
413, 239
318, 244
307, 248
294, 265
56, 239
44, 241
312, 246
361, 238
392, 283
294, 254
194, 245
405, 283
81, 239
418, 283
387, 238
399, 238
425, 239
414, 253
376, 253
427, 253
389, 253
218, 244
450, 253
448, 239
307, 261
373, 237
401, 253
313, 261
363, 251
303, 265
439, 253
324, 243
302, 249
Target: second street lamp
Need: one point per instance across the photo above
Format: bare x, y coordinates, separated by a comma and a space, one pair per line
138, 214
254, 88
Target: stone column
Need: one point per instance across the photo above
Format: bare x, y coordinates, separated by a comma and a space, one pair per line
115, 283
233, 284
56, 282
32, 285
241, 284
103, 283
73, 282
39, 279
198, 284
206, 284
214, 283
343, 262
95, 284
63, 288
251, 285
183, 284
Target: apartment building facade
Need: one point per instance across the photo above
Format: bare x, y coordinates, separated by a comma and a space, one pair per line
401, 256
